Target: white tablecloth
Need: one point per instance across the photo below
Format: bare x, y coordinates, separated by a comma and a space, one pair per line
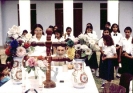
65, 87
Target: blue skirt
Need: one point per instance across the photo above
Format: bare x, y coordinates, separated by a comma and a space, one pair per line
106, 71
92, 62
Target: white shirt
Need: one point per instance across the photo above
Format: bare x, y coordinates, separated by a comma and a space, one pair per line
126, 44
59, 40
109, 51
70, 37
39, 50
117, 38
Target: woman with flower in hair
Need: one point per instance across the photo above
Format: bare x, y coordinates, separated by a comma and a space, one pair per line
38, 36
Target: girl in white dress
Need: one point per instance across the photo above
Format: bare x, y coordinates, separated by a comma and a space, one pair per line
38, 36
116, 36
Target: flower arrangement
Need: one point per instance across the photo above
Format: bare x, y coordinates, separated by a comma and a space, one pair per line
17, 46
85, 45
34, 64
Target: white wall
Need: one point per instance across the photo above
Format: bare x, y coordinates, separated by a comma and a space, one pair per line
125, 15
91, 14
9, 16
45, 13
0, 26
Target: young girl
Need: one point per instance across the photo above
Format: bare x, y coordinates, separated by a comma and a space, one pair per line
38, 36
58, 36
109, 54
89, 29
4, 72
116, 36
68, 33
127, 51
92, 62
101, 45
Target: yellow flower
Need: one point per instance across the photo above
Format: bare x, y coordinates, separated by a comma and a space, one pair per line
71, 52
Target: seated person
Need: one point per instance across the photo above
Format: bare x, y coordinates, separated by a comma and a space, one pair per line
60, 52
4, 72
38, 36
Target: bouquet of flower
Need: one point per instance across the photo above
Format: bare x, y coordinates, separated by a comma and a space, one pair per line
35, 64
85, 45
16, 45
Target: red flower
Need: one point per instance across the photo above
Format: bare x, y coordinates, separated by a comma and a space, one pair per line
7, 51
26, 45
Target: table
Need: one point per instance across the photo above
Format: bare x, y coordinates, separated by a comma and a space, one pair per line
65, 87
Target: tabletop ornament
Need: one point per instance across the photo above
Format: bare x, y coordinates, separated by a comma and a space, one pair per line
16, 49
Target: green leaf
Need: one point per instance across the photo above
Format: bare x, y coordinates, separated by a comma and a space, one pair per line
32, 48
33, 68
28, 69
83, 54
89, 57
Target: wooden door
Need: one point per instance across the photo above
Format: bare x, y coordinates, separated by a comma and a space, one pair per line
77, 19
59, 15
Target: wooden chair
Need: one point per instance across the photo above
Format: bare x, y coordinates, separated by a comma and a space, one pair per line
113, 88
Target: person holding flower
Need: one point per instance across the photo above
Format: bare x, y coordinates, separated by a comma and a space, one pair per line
68, 33
92, 62
109, 54
38, 36
4, 72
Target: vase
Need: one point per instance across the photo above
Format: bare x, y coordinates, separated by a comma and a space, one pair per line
16, 71
79, 77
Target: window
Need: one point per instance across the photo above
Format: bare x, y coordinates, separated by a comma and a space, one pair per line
32, 15
103, 15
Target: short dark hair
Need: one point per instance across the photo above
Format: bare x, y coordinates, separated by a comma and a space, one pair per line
128, 28
108, 23
25, 31
109, 40
2, 67
58, 31
34, 27
68, 28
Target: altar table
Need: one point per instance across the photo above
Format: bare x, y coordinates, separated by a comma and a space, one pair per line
65, 87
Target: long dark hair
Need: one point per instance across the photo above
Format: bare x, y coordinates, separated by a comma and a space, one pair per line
118, 30
58, 31
91, 27
109, 40
34, 27
106, 29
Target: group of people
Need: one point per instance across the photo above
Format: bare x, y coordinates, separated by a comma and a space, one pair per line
116, 50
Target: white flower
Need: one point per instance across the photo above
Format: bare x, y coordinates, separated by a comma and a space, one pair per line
81, 36
86, 38
84, 47
28, 36
15, 36
88, 51
76, 40
77, 47
92, 41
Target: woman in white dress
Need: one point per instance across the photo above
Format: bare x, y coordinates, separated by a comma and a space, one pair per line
38, 36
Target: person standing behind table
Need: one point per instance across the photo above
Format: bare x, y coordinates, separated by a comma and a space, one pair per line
38, 36
4, 72
68, 34
92, 62
90, 25
107, 59
107, 25
101, 45
116, 36
127, 51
